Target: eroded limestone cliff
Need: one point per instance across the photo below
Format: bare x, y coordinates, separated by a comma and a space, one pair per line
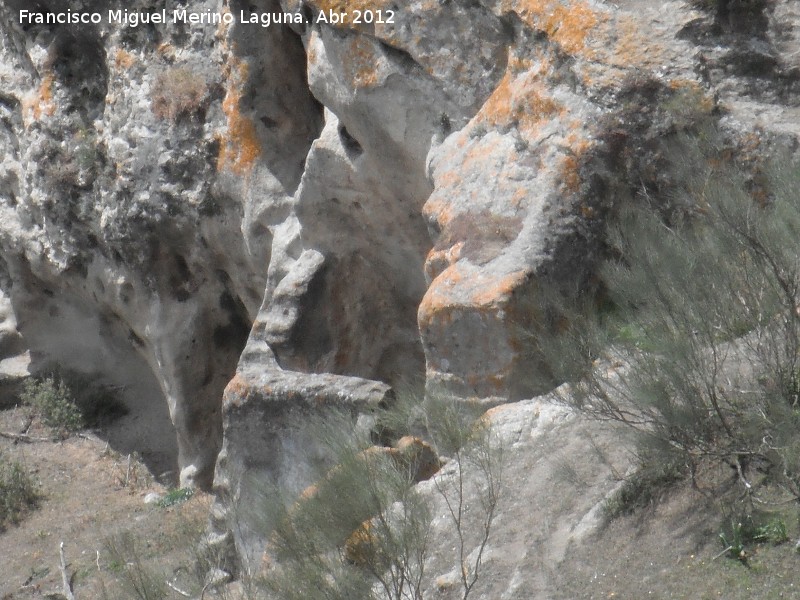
312, 213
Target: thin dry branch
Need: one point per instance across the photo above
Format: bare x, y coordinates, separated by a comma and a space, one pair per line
178, 590
64, 578
24, 437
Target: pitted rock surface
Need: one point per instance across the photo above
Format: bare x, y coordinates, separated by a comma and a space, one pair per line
329, 210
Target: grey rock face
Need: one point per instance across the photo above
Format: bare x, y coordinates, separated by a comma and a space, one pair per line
555, 471
267, 408
144, 171
514, 152
328, 210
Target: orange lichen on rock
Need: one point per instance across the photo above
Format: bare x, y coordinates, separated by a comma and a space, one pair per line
236, 391
240, 146
519, 197
629, 46
411, 455
439, 296
359, 63
568, 24
519, 102
518, 64
439, 207
488, 418
40, 102
415, 458
123, 59
472, 288
570, 175
438, 260
361, 547
497, 290
576, 148
223, 27
167, 50
693, 94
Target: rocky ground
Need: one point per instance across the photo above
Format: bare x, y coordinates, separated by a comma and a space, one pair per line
90, 499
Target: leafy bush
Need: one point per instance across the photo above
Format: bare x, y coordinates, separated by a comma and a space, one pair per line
701, 350
52, 399
67, 401
17, 492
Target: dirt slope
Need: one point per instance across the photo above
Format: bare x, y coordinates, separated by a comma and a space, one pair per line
88, 495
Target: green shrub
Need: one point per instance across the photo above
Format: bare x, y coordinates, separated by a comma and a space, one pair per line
139, 581
363, 530
700, 351
176, 496
52, 399
751, 529
17, 492
644, 487
361, 488
67, 401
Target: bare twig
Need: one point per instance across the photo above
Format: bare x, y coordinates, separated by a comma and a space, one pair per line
23, 437
27, 424
747, 485
203, 591
728, 549
64, 578
178, 590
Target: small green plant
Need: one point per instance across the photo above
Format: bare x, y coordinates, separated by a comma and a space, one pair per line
749, 530
773, 531
116, 566
126, 561
734, 541
52, 399
17, 492
176, 496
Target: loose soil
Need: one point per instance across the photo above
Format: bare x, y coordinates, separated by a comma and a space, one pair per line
90, 493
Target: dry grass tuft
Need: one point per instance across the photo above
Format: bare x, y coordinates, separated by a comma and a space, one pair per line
178, 91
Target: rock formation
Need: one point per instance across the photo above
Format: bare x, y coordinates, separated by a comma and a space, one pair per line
329, 210
137, 218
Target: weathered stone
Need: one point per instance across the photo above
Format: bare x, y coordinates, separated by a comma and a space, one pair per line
514, 153
375, 203
143, 172
268, 448
554, 471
